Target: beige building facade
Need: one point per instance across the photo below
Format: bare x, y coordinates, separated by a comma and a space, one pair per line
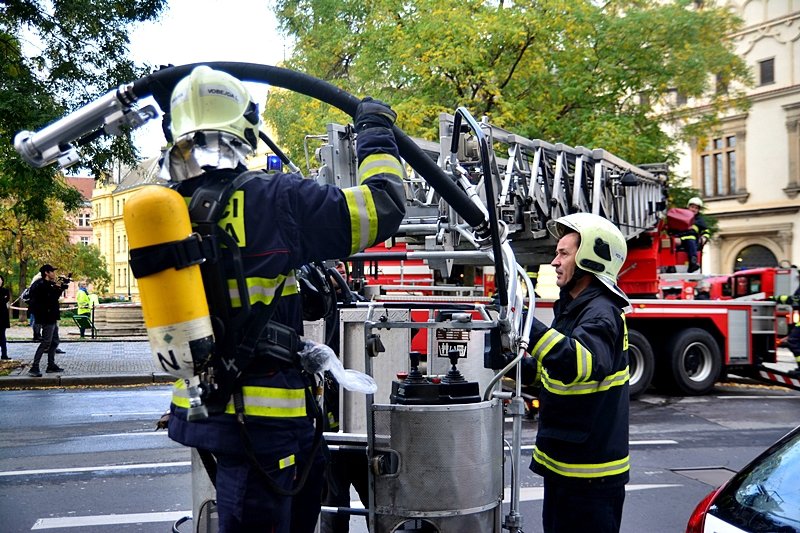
748, 171
108, 227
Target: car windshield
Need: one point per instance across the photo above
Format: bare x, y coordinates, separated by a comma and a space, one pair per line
765, 496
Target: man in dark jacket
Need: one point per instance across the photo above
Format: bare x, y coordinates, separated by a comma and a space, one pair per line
581, 361
44, 295
793, 343
264, 444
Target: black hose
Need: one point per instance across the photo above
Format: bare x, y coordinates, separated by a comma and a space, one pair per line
494, 228
160, 84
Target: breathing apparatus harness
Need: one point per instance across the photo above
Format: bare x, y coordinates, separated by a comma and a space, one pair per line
240, 339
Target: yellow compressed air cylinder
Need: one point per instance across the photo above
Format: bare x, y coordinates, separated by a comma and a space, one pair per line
174, 302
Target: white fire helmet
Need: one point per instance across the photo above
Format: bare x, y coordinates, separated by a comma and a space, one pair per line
602, 250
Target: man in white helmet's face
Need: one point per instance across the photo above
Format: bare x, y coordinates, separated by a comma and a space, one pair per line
564, 261
566, 265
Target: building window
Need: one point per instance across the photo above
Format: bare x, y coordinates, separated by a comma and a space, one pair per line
755, 256
83, 220
85, 241
718, 166
766, 71
119, 240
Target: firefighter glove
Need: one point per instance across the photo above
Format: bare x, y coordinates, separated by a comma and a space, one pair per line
372, 113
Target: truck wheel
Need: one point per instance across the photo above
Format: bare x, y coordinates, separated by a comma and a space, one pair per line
695, 361
640, 362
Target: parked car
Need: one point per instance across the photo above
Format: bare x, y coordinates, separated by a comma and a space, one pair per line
763, 497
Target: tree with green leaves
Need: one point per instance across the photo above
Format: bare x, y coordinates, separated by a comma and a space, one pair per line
596, 74
54, 57
28, 243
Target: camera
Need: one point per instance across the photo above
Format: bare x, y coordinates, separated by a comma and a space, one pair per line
65, 280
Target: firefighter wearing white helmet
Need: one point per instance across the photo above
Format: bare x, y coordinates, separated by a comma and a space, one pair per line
269, 472
694, 201
693, 239
581, 363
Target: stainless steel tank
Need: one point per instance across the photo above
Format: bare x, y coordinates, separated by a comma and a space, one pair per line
442, 464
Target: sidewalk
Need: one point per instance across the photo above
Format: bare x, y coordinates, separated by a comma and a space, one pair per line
101, 361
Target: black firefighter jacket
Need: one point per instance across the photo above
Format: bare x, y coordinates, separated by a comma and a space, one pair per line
582, 364
280, 223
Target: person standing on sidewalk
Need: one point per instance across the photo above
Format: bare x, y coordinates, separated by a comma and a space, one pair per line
85, 305
44, 304
26, 297
5, 323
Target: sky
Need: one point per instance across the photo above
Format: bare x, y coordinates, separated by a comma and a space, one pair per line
191, 31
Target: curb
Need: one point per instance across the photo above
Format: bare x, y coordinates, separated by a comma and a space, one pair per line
25, 382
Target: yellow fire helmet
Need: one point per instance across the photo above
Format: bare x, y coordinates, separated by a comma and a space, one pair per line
602, 250
212, 100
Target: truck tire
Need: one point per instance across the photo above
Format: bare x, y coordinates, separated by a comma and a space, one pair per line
641, 362
694, 361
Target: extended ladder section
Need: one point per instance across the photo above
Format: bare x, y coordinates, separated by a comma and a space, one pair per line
534, 182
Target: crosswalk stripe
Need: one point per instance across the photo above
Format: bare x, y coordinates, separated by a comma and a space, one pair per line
108, 520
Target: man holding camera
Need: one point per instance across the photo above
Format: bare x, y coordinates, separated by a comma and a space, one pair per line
44, 296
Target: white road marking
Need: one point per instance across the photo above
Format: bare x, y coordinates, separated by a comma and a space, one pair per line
94, 469
108, 520
761, 397
137, 434
528, 494
631, 443
119, 413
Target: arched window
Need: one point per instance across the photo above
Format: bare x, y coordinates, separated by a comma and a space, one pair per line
755, 256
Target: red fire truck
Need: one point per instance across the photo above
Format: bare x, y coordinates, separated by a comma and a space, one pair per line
676, 342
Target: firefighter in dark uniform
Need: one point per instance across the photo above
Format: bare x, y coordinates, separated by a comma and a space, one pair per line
581, 364
696, 236
280, 222
792, 341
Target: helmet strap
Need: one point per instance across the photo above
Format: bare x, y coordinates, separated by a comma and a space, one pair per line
576, 276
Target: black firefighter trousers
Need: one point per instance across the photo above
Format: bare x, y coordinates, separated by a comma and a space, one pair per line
578, 509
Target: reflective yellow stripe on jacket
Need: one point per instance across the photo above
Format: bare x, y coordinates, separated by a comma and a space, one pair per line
546, 343
269, 402
262, 289
583, 357
559, 387
360, 203
588, 470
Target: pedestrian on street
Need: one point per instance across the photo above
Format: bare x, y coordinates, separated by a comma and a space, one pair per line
44, 296
793, 343
581, 363
85, 305
36, 328
269, 468
5, 322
